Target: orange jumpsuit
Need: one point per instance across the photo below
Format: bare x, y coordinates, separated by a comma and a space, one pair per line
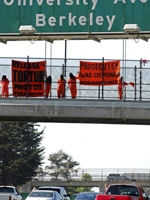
48, 85
5, 90
48, 89
61, 88
73, 87
120, 88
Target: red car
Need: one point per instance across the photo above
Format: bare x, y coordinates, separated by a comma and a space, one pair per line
123, 192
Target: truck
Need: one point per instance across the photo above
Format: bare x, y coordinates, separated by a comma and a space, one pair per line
123, 192
9, 193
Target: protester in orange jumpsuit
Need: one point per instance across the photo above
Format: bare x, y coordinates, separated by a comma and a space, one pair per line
48, 85
61, 87
72, 85
5, 83
120, 85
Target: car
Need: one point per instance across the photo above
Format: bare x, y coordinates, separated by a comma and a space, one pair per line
60, 190
9, 192
41, 177
87, 195
123, 191
117, 177
44, 195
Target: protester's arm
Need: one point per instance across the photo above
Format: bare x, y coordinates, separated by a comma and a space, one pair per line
78, 77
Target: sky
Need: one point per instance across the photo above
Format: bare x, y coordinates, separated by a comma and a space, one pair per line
109, 49
92, 145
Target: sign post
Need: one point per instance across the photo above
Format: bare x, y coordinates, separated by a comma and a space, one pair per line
27, 74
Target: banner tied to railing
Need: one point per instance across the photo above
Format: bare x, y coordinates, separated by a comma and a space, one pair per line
94, 73
28, 78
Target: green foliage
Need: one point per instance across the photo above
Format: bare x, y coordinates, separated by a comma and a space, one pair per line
86, 177
74, 190
62, 165
20, 152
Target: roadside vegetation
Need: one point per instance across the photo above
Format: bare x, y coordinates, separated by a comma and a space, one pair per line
20, 152
21, 157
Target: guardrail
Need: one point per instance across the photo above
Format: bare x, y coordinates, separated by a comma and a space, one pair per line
99, 174
136, 71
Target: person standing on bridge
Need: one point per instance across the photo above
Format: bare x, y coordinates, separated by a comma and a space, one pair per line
48, 85
72, 85
61, 87
121, 85
5, 83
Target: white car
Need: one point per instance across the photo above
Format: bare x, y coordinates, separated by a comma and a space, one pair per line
42, 177
60, 190
43, 195
9, 192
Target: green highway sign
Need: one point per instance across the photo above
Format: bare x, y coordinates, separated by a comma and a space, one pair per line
73, 16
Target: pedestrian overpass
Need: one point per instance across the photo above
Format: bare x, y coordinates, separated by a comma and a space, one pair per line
98, 178
99, 184
75, 111
94, 103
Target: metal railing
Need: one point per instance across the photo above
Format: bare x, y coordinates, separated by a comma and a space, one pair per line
99, 174
136, 71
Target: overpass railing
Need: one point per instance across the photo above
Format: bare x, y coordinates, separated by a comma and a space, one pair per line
98, 174
135, 71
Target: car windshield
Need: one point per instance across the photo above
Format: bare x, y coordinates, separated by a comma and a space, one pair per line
41, 194
122, 175
6, 190
123, 190
54, 189
89, 196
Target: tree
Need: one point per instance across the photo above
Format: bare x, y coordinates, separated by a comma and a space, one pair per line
20, 152
74, 190
86, 177
62, 165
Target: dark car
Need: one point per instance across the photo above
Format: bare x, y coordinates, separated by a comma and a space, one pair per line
117, 177
87, 195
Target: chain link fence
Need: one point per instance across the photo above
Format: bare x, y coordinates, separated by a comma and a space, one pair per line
99, 174
136, 71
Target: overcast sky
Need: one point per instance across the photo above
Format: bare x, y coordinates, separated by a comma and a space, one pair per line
92, 145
